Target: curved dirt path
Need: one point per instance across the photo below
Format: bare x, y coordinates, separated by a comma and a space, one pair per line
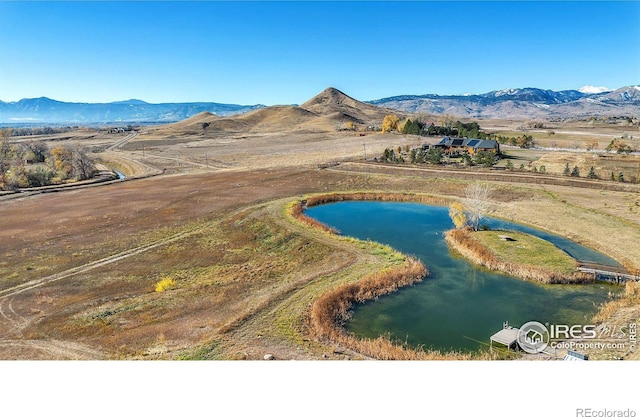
12, 340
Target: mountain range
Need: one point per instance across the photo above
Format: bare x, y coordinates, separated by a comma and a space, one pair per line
522, 103
517, 103
46, 110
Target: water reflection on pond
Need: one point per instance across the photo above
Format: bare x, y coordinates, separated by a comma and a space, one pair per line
459, 304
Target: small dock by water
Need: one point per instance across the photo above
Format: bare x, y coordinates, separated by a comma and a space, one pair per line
508, 337
616, 274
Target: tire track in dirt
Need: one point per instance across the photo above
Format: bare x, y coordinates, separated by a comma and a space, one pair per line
56, 348
5, 315
8, 292
119, 144
53, 348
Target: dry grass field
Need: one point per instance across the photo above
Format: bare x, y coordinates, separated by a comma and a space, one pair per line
79, 268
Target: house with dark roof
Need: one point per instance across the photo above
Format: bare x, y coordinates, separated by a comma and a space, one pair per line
470, 146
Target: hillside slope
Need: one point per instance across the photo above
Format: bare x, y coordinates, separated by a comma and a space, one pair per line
328, 111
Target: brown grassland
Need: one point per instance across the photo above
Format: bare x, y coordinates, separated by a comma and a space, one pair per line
224, 223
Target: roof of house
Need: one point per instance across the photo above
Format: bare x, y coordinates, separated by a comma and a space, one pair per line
470, 143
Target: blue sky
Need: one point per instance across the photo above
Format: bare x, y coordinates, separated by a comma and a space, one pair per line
286, 52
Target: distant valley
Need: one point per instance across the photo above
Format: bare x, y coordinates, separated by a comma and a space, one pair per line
518, 103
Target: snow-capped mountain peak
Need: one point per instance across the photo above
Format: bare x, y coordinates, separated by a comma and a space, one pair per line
507, 92
525, 103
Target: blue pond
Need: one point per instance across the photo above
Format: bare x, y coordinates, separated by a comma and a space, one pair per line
459, 306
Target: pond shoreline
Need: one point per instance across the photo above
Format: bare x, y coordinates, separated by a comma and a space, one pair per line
380, 348
331, 310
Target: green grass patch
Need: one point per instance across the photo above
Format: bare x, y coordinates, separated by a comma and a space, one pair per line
208, 351
526, 250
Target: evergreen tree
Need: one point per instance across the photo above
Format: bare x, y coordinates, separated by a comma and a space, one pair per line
620, 177
411, 128
566, 170
434, 156
592, 173
485, 159
575, 172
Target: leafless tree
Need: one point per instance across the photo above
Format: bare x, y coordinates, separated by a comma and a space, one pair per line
446, 120
83, 165
5, 154
38, 148
477, 196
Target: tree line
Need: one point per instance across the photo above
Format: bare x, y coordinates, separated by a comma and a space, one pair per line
575, 172
459, 129
434, 156
34, 164
35, 130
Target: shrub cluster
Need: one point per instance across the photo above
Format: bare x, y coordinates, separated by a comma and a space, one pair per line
33, 164
165, 284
